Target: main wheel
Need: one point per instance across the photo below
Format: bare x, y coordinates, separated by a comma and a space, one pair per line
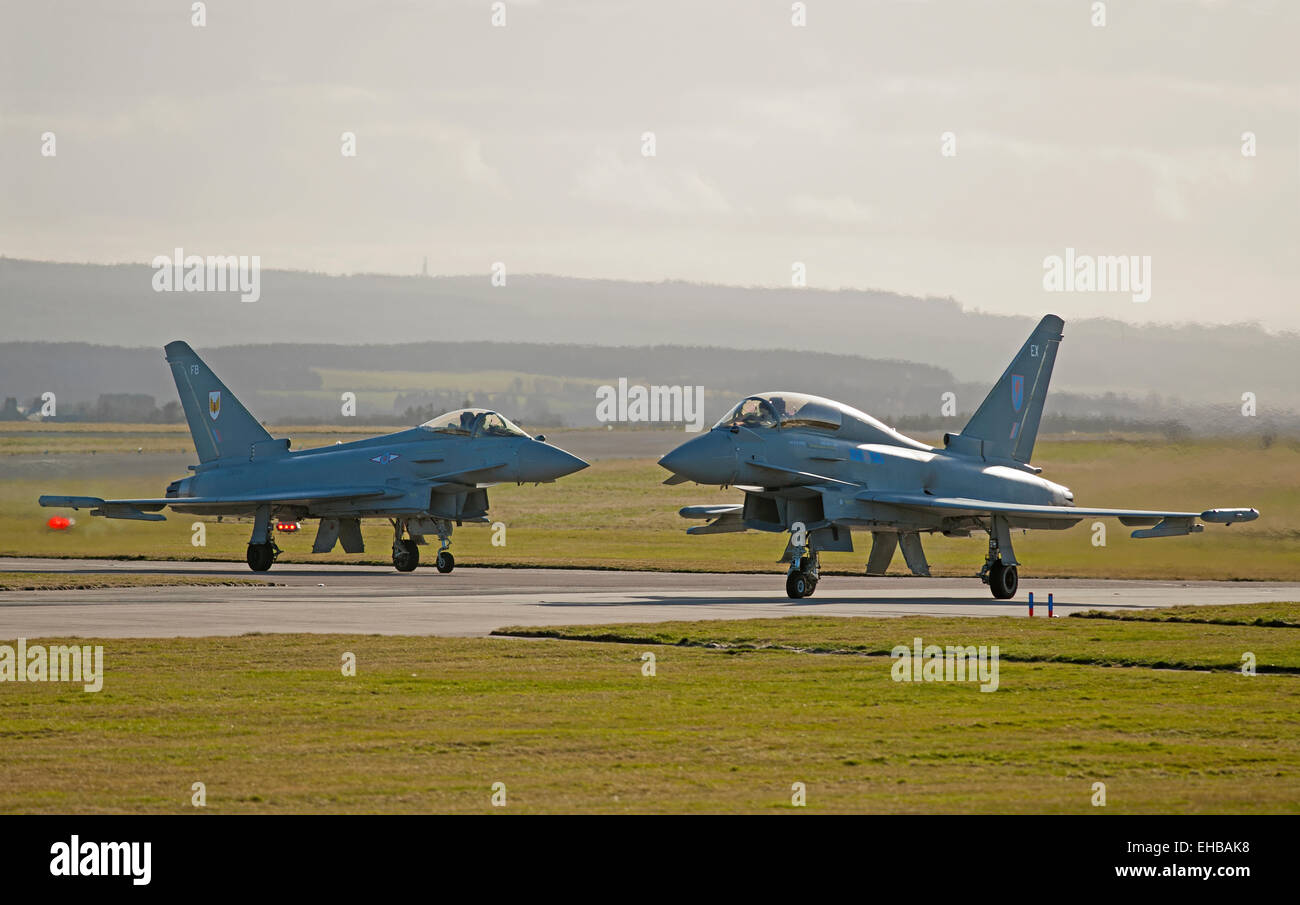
407, 558
797, 585
260, 557
445, 561
1003, 581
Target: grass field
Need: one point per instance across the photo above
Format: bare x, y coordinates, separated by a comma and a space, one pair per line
1146, 640
1282, 616
618, 514
270, 724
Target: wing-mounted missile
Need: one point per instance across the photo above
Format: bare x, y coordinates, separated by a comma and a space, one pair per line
105, 508
1170, 527
722, 519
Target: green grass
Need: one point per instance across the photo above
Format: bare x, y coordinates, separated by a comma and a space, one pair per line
269, 724
618, 514
63, 581
1267, 615
1151, 644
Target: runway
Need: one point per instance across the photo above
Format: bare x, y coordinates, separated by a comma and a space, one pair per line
474, 601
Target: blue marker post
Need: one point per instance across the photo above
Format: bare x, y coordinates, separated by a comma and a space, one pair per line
1031, 603
1050, 614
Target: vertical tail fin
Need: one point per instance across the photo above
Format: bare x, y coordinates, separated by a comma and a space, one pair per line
1007, 420
219, 423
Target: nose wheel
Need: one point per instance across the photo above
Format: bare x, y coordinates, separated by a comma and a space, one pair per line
1003, 580
1000, 572
445, 561
801, 580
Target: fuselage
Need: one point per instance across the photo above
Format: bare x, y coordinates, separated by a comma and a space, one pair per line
394, 471
834, 441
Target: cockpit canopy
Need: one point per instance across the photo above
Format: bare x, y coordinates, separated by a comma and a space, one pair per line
473, 423
785, 410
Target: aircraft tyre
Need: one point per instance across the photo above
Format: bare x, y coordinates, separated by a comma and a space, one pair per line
798, 585
260, 557
1003, 581
408, 557
445, 562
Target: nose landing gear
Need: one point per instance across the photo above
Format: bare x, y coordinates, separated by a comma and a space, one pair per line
1000, 570
801, 579
1003, 580
445, 561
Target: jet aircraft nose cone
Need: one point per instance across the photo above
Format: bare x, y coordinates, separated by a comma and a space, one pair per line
542, 462
707, 459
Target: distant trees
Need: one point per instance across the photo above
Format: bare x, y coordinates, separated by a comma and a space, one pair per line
133, 408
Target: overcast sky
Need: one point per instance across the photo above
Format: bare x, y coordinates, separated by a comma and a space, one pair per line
774, 143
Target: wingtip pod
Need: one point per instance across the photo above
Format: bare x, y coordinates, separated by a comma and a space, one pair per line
1228, 516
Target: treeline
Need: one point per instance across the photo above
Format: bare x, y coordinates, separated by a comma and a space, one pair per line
131, 408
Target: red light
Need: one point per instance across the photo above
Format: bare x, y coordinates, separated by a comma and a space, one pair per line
59, 523
286, 527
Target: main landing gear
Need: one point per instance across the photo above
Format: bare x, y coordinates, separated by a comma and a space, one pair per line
406, 555
406, 552
261, 556
262, 549
801, 580
1000, 571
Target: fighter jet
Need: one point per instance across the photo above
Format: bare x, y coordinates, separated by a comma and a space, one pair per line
819, 469
423, 480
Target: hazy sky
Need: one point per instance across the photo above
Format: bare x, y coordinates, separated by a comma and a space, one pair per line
774, 143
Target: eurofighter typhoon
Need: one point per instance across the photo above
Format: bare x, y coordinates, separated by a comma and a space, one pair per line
819, 469
424, 480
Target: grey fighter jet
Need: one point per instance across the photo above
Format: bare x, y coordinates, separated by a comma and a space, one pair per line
818, 469
423, 480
